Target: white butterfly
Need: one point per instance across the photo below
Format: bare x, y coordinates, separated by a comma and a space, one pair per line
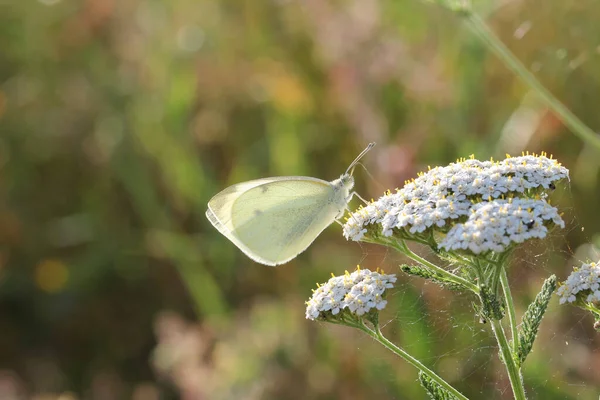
272, 220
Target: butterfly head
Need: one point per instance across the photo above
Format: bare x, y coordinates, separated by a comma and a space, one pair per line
346, 181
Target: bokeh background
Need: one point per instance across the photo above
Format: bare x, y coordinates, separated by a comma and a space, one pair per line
119, 119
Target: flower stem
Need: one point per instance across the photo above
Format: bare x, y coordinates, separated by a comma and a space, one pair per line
592, 308
480, 28
514, 373
403, 248
377, 335
510, 308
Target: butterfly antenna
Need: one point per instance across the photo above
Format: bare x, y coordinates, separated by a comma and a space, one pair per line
381, 186
350, 169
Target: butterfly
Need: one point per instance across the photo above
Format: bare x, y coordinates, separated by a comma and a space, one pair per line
272, 220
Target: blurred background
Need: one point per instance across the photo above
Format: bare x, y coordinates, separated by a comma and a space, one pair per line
120, 119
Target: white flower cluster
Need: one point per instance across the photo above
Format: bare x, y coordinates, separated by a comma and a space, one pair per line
495, 225
443, 195
584, 280
358, 292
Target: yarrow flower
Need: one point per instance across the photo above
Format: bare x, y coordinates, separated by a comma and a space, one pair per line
583, 283
495, 225
468, 190
358, 292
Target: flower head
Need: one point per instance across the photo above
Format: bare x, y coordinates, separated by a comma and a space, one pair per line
583, 284
496, 225
358, 293
461, 198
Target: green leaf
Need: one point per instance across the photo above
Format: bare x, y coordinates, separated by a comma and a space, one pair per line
491, 307
434, 390
532, 319
424, 272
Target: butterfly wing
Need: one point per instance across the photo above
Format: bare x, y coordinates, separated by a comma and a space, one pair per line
220, 206
272, 220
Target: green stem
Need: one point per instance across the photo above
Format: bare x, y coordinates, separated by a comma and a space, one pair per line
480, 28
593, 309
514, 373
403, 248
377, 335
510, 308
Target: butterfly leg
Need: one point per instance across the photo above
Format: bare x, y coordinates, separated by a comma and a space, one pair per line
349, 212
357, 195
352, 194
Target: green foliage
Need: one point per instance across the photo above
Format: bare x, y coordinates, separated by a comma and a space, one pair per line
491, 306
433, 389
429, 274
532, 319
